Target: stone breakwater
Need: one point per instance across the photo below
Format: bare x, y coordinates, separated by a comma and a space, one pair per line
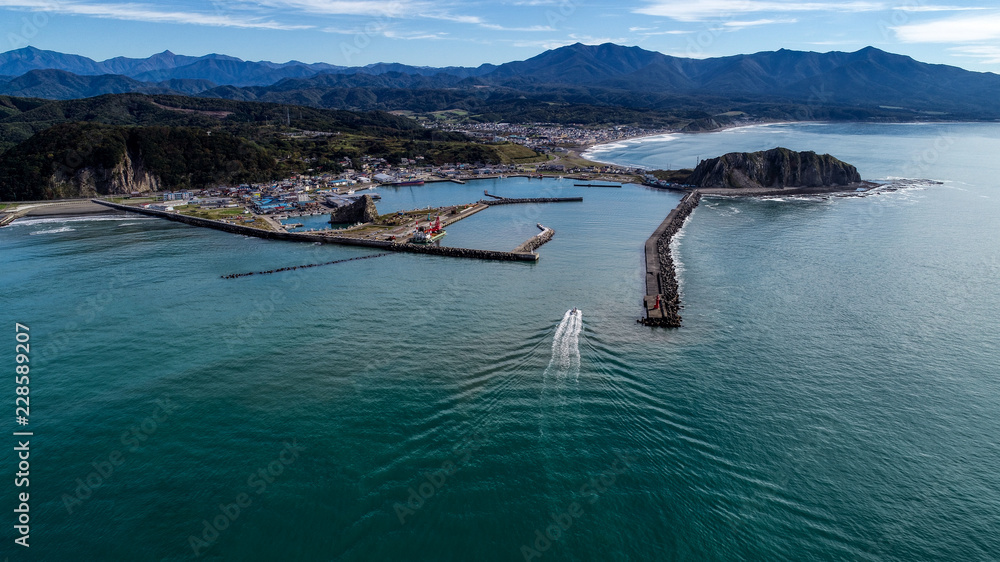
325, 239
294, 267
512, 201
662, 300
537, 240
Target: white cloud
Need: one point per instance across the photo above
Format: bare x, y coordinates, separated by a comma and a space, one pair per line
919, 8
687, 10
988, 54
413, 35
146, 13
737, 25
530, 28
963, 29
667, 32
372, 8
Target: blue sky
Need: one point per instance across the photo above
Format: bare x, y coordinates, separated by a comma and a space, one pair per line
424, 32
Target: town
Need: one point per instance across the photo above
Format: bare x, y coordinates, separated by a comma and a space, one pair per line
274, 206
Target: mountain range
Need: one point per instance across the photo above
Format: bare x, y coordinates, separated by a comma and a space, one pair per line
869, 83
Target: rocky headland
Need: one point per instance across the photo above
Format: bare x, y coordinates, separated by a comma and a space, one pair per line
361, 210
775, 171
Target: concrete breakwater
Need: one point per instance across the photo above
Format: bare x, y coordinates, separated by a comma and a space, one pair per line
537, 240
662, 300
512, 201
329, 239
8, 218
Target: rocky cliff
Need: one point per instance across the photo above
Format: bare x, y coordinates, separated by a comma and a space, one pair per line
128, 175
776, 168
362, 210
87, 159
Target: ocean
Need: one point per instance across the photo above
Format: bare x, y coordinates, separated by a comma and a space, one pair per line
832, 395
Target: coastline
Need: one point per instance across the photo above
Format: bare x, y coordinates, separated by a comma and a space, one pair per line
587, 148
63, 207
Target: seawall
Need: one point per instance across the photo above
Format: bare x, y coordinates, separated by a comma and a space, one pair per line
662, 300
331, 239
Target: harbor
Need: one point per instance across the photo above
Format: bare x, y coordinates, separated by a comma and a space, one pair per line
394, 232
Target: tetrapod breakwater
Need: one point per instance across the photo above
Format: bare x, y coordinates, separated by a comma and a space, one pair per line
294, 267
513, 201
662, 301
537, 240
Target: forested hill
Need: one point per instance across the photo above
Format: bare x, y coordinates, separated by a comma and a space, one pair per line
783, 84
125, 142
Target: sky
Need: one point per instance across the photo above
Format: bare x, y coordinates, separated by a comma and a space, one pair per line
963, 33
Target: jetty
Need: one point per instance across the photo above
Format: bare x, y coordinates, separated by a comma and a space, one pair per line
294, 267
516, 200
662, 301
537, 240
325, 238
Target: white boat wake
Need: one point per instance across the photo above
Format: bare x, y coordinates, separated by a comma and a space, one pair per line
566, 345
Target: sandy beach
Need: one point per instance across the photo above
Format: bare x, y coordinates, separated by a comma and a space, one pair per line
72, 207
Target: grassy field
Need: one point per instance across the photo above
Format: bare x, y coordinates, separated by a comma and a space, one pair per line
511, 153
213, 214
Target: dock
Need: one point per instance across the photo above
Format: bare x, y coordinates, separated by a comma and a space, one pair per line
662, 302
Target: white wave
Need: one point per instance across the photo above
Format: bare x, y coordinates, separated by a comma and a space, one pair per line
52, 231
675, 246
71, 219
606, 147
566, 346
659, 138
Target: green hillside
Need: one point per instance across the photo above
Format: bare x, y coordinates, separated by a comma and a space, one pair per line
196, 142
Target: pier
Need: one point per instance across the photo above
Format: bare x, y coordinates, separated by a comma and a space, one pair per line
387, 245
662, 301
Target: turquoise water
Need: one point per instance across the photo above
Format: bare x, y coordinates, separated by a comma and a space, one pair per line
832, 396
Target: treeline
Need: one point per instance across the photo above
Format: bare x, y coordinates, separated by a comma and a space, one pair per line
72, 148
80, 159
22, 117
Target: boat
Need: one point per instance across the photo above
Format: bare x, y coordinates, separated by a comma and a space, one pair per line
407, 183
575, 311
